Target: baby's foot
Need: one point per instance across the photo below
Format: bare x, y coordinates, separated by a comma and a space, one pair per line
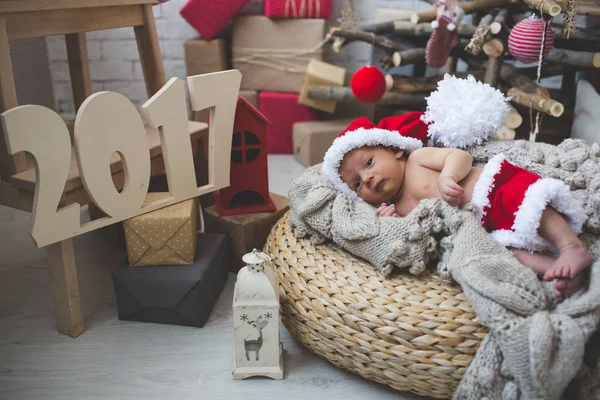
571, 261
566, 287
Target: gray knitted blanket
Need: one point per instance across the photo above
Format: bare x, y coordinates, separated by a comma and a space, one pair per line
536, 349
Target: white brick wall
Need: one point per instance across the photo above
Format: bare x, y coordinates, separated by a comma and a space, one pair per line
114, 59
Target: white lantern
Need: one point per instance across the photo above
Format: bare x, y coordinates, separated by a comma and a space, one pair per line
258, 351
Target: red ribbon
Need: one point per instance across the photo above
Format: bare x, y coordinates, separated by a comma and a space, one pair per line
304, 9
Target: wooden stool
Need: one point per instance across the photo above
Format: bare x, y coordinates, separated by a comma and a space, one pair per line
20, 19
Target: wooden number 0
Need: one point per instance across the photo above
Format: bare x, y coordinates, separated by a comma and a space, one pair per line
108, 123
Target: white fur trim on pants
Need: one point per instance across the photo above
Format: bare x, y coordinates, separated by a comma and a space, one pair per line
544, 192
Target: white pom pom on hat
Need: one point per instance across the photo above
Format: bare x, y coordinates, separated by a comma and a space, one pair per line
464, 112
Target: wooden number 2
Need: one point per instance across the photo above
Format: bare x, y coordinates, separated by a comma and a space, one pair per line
107, 124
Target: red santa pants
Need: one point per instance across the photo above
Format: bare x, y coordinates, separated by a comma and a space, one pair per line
510, 201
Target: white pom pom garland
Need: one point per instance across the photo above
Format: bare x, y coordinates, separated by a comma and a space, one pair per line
464, 112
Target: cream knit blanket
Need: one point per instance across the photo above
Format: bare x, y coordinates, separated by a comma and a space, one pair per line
536, 348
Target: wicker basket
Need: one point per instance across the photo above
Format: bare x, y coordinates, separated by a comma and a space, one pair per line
415, 334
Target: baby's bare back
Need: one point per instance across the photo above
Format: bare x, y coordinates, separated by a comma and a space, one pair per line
422, 183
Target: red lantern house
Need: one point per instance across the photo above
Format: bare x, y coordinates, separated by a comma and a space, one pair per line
248, 191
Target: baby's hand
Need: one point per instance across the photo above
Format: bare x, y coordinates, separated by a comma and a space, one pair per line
387, 211
450, 190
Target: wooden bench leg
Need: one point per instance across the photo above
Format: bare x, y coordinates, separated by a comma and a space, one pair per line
79, 67
150, 56
8, 100
65, 288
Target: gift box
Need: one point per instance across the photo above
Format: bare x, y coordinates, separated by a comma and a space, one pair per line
205, 56
313, 138
245, 231
273, 55
251, 96
321, 73
254, 7
163, 237
283, 110
209, 17
298, 8
179, 295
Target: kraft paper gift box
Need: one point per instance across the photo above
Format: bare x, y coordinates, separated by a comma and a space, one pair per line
298, 8
321, 73
205, 56
313, 138
163, 237
245, 231
179, 295
259, 42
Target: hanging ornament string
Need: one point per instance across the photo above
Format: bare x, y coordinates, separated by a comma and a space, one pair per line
538, 116
372, 48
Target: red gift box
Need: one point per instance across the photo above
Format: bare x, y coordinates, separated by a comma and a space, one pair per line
283, 110
209, 17
298, 8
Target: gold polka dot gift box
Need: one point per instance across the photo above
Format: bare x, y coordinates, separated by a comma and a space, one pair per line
163, 237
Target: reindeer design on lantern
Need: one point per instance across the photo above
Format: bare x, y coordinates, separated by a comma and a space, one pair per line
255, 345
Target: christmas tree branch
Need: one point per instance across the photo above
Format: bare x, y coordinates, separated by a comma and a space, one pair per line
583, 59
468, 8
342, 37
538, 100
345, 95
407, 28
546, 6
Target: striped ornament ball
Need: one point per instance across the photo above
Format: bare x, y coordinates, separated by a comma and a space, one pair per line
525, 40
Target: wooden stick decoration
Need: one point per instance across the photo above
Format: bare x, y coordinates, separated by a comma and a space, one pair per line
499, 21
582, 59
404, 84
344, 94
409, 57
494, 48
389, 46
482, 34
513, 76
492, 73
587, 35
407, 28
538, 100
545, 6
584, 7
513, 119
468, 8
504, 133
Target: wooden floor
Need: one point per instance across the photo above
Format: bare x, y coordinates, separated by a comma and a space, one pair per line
129, 360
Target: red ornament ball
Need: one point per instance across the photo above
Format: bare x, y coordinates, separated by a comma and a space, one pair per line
525, 40
368, 84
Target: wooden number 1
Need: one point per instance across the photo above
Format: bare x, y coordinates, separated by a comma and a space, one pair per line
108, 123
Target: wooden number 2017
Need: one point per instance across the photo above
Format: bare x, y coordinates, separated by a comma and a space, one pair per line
107, 123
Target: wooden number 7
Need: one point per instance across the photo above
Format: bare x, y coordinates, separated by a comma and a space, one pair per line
107, 123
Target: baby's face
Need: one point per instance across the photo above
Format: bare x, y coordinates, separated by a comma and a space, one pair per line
374, 173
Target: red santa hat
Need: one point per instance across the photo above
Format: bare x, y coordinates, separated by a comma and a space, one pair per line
405, 132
